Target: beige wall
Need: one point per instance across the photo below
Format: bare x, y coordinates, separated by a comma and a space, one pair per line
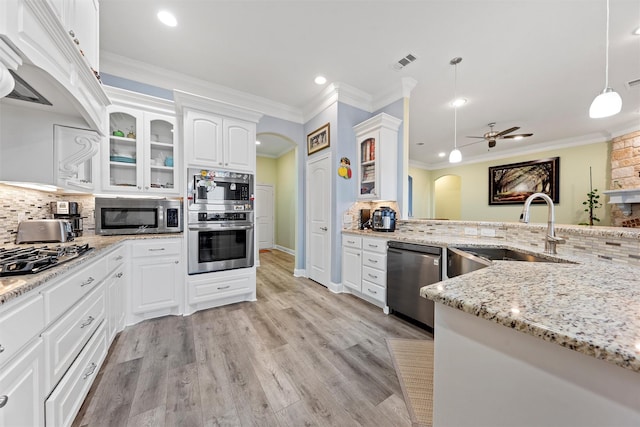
286, 201
574, 186
447, 200
281, 173
421, 192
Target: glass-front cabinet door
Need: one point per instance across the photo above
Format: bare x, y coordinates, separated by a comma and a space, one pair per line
141, 153
368, 167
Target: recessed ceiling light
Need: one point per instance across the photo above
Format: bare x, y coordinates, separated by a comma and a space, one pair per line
637, 31
458, 102
167, 18
442, 154
258, 142
320, 80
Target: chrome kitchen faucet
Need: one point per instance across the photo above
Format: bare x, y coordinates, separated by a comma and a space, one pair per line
550, 240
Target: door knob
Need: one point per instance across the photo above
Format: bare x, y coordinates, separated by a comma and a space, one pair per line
323, 228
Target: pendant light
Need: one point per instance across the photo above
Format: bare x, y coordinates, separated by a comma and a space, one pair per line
455, 156
608, 103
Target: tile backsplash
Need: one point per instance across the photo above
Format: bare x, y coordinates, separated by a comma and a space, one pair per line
17, 203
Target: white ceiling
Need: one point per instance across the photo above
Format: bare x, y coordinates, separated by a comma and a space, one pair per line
536, 64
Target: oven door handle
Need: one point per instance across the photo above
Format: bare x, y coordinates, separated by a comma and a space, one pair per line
221, 227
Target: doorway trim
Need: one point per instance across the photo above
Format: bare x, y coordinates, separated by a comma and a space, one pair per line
307, 264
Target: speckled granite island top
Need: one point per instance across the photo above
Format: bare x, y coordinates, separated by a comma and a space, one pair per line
13, 286
590, 308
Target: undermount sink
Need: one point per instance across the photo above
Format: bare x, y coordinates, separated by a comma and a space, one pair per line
467, 259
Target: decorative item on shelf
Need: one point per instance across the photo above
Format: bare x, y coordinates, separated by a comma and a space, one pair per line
118, 133
318, 139
131, 134
345, 168
168, 161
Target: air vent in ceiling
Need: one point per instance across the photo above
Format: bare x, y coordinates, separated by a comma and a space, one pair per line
24, 92
403, 62
633, 83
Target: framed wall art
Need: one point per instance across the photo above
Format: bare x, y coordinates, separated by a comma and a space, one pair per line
318, 139
513, 183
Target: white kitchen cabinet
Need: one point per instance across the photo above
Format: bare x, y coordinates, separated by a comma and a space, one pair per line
156, 279
351, 262
22, 389
364, 268
76, 159
19, 323
115, 292
377, 141
141, 154
220, 288
219, 142
80, 18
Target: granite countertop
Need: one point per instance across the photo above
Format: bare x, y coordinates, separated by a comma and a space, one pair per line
592, 307
12, 287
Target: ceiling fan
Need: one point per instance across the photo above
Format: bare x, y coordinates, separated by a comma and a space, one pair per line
492, 136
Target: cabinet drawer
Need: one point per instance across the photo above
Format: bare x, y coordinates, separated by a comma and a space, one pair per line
64, 340
374, 291
222, 287
61, 296
352, 241
375, 276
157, 247
19, 324
116, 257
374, 260
374, 245
65, 401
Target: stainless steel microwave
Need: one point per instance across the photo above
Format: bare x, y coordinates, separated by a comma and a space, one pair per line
137, 216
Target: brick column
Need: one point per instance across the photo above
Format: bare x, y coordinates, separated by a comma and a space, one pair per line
625, 171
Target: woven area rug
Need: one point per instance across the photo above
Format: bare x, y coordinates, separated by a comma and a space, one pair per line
413, 360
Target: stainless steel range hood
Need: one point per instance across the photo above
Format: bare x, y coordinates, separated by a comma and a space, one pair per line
24, 92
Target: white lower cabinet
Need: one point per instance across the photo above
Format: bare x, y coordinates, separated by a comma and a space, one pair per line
156, 278
63, 404
114, 289
364, 267
22, 388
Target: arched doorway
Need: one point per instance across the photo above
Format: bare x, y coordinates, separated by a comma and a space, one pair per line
447, 197
276, 177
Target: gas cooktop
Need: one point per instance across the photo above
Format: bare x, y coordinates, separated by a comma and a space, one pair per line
36, 259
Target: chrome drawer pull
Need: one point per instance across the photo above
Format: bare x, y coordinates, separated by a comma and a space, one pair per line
119, 275
1, 348
373, 292
3, 400
374, 261
155, 249
90, 371
223, 287
373, 276
90, 319
372, 246
89, 281
119, 257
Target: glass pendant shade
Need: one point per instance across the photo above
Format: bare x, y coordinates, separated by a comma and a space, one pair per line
607, 104
455, 156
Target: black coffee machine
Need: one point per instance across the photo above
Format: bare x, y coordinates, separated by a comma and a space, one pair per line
383, 219
70, 211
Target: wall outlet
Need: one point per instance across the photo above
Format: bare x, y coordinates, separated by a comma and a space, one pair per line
470, 231
488, 232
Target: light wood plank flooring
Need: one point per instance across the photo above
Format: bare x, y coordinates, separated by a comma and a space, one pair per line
299, 356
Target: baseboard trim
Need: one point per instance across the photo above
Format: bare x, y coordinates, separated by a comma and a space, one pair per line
287, 250
299, 272
336, 288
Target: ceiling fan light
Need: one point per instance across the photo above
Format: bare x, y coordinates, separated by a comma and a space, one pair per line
607, 104
455, 156
458, 102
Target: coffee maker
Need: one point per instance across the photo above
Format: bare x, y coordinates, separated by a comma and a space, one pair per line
63, 209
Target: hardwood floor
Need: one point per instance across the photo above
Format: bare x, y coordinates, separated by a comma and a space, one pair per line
299, 356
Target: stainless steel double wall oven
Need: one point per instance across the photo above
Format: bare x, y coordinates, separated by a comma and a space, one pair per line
220, 220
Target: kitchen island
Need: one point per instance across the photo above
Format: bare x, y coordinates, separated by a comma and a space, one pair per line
538, 344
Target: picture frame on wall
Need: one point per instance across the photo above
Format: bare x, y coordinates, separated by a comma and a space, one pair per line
318, 139
513, 183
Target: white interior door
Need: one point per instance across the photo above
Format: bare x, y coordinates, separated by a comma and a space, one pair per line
264, 215
318, 224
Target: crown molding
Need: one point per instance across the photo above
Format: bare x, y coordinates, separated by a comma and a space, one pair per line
338, 92
139, 71
127, 98
189, 100
400, 90
9, 57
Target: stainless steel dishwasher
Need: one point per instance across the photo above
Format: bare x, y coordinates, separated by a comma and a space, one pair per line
410, 267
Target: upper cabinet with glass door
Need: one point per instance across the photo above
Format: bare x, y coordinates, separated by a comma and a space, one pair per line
377, 140
141, 153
